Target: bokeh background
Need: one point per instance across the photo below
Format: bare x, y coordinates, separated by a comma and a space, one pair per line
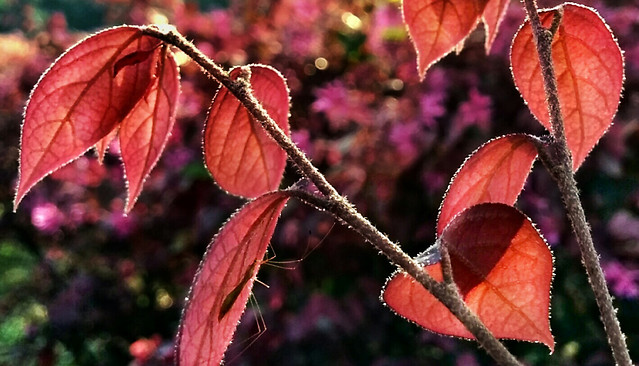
80, 284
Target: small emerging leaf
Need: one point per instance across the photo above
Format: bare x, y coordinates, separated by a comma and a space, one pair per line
240, 155
589, 68
224, 280
146, 129
437, 27
79, 100
503, 270
496, 172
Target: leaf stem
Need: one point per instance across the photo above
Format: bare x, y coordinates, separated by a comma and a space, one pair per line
558, 161
338, 205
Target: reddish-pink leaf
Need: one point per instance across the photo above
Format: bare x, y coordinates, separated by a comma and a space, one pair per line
589, 68
437, 27
503, 269
78, 101
496, 172
146, 129
493, 15
224, 280
102, 145
240, 155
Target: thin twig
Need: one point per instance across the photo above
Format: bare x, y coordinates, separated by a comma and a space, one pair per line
337, 205
558, 160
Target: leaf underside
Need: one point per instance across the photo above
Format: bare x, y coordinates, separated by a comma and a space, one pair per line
238, 153
224, 280
80, 100
589, 68
496, 172
503, 269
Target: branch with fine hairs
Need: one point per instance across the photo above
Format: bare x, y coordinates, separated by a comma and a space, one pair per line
446, 293
338, 205
558, 161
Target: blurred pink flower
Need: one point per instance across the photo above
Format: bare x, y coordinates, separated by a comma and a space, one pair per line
624, 226
476, 111
47, 217
622, 280
405, 138
341, 105
432, 107
466, 359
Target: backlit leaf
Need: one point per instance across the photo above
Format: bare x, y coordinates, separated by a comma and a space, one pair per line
589, 68
102, 146
493, 15
503, 270
437, 27
240, 155
146, 129
496, 172
224, 280
78, 101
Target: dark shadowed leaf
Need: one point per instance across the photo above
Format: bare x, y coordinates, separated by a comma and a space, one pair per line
589, 68
79, 100
240, 155
503, 269
224, 280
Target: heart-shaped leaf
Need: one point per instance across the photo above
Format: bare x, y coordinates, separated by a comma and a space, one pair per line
493, 15
80, 99
503, 270
496, 172
437, 27
589, 68
240, 155
224, 280
146, 129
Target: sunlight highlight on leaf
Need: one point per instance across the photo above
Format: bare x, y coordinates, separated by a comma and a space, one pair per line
78, 101
503, 269
589, 68
437, 27
146, 129
496, 172
240, 155
224, 280
493, 15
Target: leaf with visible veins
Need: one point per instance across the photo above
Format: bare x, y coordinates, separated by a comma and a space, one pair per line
503, 270
79, 100
496, 172
224, 280
589, 68
239, 154
146, 129
437, 27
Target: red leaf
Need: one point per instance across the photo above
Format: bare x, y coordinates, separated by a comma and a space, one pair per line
146, 129
437, 27
493, 15
78, 101
102, 145
589, 68
224, 280
240, 155
496, 172
503, 269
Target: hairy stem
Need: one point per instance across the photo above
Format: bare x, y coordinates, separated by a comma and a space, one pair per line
338, 205
558, 160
